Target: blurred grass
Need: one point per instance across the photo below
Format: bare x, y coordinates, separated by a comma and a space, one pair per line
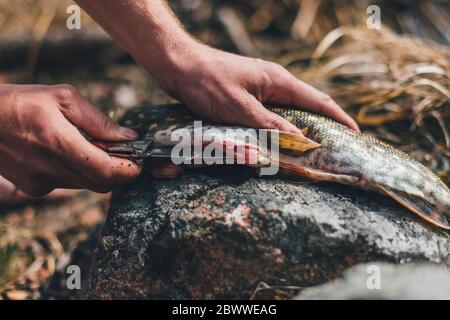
6, 259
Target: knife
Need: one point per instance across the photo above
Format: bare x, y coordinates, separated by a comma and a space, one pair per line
139, 150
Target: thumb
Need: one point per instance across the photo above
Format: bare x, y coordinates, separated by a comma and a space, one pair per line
89, 119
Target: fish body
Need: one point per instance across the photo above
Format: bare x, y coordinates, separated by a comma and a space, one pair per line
332, 152
353, 158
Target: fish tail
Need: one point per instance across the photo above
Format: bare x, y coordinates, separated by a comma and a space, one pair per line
418, 205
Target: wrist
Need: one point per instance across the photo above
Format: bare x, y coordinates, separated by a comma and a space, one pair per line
173, 60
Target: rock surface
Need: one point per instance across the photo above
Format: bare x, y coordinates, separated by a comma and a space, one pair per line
217, 232
408, 282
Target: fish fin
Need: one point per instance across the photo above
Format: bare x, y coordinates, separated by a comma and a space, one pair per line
419, 206
317, 175
292, 142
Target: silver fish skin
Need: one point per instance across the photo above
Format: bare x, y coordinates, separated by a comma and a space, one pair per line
357, 159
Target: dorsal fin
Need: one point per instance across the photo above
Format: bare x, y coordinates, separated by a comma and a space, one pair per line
292, 142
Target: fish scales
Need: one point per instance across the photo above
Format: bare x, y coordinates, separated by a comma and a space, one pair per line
344, 156
377, 165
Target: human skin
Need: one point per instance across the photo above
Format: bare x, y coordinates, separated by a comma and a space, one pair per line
41, 147
221, 86
11, 196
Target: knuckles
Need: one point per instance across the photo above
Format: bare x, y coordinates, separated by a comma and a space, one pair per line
34, 115
277, 68
65, 93
274, 123
46, 99
274, 75
325, 102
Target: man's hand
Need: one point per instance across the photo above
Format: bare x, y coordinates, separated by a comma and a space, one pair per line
41, 148
230, 88
222, 86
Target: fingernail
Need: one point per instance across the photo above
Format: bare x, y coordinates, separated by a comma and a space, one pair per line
128, 133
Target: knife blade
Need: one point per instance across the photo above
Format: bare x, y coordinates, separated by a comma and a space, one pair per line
143, 149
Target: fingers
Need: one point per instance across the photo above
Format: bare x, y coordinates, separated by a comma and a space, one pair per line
123, 171
88, 118
90, 167
290, 90
160, 168
44, 150
12, 195
8, 191
99, 171
102, 173
260, 117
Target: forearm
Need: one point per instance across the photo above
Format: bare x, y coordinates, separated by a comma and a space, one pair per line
217, 85
148, 30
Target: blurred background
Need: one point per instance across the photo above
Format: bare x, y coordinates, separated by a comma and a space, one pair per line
394, 81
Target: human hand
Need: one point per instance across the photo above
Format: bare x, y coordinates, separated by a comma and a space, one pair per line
222, 86
229, 88
41, 148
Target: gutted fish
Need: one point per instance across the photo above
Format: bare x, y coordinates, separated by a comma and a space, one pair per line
328, 152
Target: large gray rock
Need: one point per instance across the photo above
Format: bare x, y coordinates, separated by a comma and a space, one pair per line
218, 232
408, 282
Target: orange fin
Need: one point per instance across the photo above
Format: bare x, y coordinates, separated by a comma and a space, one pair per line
317, 175
293, 142
419, 206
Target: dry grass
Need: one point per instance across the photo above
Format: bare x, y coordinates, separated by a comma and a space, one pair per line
388, 78
38, 243
393, 84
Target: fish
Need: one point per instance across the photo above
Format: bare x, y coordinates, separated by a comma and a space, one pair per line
330, 152
352, 158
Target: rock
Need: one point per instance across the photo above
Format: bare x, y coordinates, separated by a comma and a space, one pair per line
408, 282
217, 232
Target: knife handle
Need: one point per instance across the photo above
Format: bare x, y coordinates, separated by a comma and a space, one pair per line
128, 150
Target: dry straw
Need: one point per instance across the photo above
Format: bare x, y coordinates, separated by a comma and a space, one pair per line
387, 80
